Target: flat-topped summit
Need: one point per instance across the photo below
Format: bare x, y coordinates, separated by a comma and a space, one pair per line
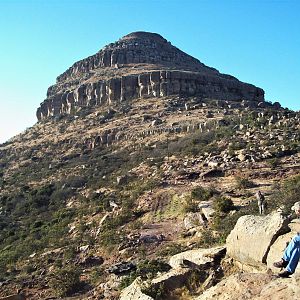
144, 35
141, 64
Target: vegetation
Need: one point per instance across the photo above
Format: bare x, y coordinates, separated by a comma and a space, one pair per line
146, 269
244, 183
222, 204
66, 281
202, 194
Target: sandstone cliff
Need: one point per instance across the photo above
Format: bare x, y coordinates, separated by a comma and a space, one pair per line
140, 65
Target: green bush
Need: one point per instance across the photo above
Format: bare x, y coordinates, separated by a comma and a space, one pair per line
286, 196
65, 282
222, 204
274, 162
146, 269
200, 193
244, 183
190, 205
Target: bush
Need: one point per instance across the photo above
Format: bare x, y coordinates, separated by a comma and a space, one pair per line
146, 269
65, 282
223, 204
190, 205
286, 196
273, 162
244, 183
200, 193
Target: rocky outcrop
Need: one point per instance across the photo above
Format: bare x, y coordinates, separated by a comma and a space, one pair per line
183, 264
250, 240
196, 257
254, 286
134, 292
137, 66
277, 249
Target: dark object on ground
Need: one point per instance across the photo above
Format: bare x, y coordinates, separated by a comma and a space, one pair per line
285, 274
280, 264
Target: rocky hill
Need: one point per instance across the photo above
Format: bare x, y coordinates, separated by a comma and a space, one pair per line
140, 164
140, 65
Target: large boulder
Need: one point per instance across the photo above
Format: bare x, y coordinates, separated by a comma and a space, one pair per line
196, 257
277, 249
250, 240
254, 286
134, 292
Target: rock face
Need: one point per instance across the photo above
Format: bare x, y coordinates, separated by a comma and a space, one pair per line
134, 292
280, 244
182, 265
250, 240
196, 257
140, 65
254, 286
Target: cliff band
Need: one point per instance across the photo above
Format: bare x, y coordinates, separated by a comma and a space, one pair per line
140, 65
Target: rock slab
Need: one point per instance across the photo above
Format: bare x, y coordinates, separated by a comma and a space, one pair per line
250, 240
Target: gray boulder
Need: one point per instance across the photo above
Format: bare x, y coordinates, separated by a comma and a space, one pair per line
250, 240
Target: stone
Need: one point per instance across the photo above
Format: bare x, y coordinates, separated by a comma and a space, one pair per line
196, 257
193, 220
206, 207
122, 180
156, 122
134, 292
250, 240
91, 261
84, 248
277, 249
254, 286
151, 238
122, 268
215, 172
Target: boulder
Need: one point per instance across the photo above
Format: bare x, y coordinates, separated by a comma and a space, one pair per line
134, 292
173, 279
206, 208
250, 240
254, 286
122, 268
193, 220
196, 257
277, 249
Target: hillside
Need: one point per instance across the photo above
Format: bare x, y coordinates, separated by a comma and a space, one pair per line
140, 152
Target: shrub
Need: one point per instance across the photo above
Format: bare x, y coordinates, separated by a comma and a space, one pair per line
190, 205
65, 281
273, 162
223, 204
244, 183
146, 269
287, 195
200, 193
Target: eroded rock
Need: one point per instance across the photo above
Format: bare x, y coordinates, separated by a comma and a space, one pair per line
250, 240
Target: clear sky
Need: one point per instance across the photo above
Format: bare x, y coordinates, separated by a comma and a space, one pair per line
256, 41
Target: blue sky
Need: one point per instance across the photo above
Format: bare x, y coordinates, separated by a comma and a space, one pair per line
256, 41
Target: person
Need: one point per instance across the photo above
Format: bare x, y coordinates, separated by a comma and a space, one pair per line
291, 254
261, 202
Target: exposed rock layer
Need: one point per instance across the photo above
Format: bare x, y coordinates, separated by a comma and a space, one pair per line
137, 66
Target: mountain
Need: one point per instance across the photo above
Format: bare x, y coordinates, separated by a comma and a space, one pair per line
140, 153
139, 65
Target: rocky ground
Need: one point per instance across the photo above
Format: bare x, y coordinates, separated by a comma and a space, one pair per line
113, 193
